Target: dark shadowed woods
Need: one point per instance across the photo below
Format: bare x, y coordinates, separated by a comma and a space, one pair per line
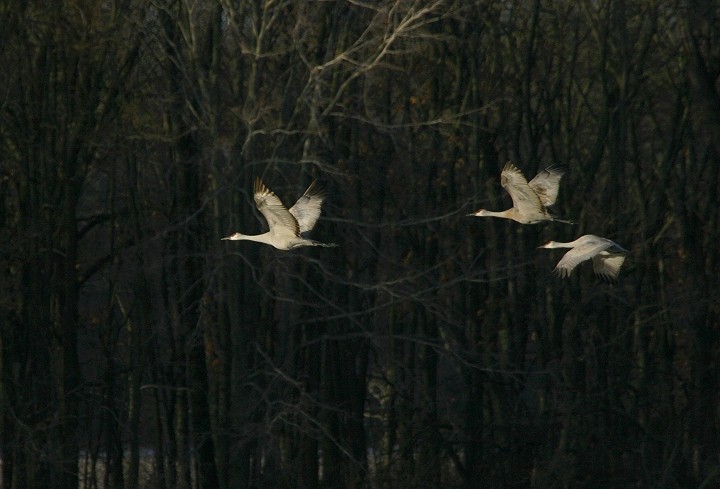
430, 349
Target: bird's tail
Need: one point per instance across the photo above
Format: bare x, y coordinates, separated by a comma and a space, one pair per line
555, 217
324, 245
566, 221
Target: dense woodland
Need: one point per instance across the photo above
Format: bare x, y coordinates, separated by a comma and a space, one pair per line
430, 349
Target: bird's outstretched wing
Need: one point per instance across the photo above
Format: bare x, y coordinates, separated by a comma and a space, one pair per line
546, 184
524, 198
307, 208
279, 219
584, 251
607, 265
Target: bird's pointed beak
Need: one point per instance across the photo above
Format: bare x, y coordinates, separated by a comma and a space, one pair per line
473, 213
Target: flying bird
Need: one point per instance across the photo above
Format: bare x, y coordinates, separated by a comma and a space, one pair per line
607, 256
286, 226
530, 199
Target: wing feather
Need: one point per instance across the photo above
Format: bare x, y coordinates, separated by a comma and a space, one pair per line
546, 184
524, 198
307, 208
579, 254
280, 220
607, 265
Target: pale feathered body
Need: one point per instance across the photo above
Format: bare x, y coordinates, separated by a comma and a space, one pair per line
607, 256
530, 199
286, 225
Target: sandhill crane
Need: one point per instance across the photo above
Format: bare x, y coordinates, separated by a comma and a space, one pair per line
530, 200
607, 256
286, 225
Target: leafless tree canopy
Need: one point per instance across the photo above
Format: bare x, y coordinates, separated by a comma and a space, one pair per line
430, 349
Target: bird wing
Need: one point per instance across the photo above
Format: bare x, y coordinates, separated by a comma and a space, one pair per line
279, 219
546, 184
584, 251
607, 265
307, 208
524, 198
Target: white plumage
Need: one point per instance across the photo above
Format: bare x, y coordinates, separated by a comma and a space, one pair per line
530, 199
607, 256
286, 225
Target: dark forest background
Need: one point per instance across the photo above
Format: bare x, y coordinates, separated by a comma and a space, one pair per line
430, 349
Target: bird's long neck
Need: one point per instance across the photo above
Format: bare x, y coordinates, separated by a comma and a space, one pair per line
507, 214
259, 238
560, 244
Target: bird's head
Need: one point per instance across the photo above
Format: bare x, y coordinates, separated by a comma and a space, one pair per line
234, 236
479, 213
549, 244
